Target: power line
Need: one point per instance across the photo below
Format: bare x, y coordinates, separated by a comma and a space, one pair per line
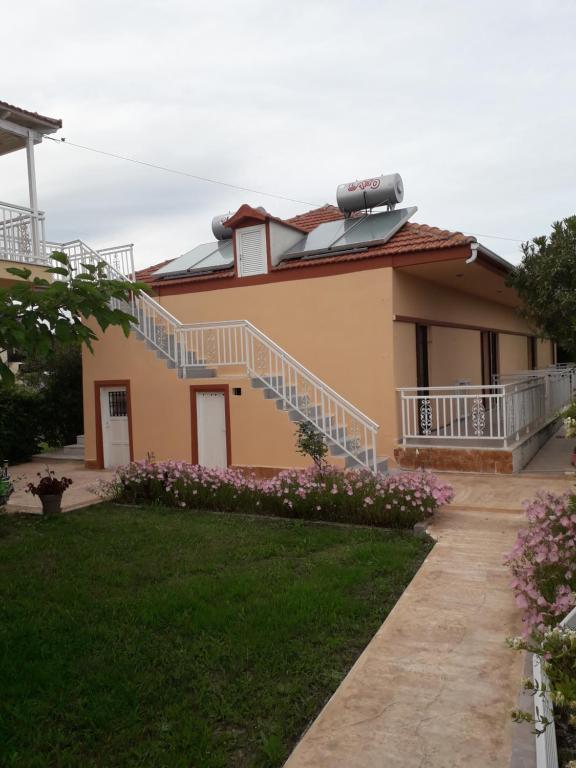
179, 173
497, 237
223, 183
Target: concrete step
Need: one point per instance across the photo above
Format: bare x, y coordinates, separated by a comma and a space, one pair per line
196, 372
74, 448
58, 454
381, 463
276, 381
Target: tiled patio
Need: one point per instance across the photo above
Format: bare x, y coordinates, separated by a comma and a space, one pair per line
78, 495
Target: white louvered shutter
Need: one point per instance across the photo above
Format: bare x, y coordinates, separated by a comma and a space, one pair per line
251, 249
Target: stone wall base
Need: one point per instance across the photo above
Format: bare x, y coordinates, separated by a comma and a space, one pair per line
497, 461
454, 459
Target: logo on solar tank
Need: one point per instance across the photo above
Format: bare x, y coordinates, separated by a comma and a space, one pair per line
366, 184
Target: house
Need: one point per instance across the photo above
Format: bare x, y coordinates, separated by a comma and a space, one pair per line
399, 341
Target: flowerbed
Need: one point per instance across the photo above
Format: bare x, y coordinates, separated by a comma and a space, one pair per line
543, 564
393, 501
543, 561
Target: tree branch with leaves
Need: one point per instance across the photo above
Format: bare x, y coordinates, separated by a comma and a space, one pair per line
38, 315
546, 283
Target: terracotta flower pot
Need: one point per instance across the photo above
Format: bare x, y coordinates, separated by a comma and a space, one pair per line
51, 503
574, 459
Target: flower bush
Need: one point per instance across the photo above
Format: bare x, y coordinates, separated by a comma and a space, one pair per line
395, 501
557, 647
569, 416
543, 561
543, 564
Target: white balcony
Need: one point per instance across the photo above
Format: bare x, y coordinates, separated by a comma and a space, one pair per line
22, 237
491, 416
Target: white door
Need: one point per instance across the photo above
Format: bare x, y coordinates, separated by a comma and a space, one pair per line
115, 433
211, 422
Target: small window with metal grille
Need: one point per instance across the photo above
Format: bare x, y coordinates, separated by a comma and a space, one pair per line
117, 403
237, 391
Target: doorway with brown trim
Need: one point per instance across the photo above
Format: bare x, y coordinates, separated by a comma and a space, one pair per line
210, 425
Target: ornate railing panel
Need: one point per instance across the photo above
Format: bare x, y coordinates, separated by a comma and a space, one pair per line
21, 234
503, 412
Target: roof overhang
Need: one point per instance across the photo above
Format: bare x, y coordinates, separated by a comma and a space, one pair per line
484, 276
16, 125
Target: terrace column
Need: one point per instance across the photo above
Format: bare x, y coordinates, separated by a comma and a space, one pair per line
33, 195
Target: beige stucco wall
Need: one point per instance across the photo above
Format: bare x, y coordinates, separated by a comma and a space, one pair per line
453, 356
513, 353
405, 368
424, 299
544, 353
339, 327
161, 413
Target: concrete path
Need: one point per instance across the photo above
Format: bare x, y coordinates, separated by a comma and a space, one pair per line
78, 495
435, 686
555, 456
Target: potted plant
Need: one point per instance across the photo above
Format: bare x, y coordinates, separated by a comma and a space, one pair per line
49, 489
6, 486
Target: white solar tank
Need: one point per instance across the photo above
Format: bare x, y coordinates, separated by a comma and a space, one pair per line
370, 193
219, 231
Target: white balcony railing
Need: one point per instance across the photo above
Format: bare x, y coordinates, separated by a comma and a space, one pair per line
498, 414
22, 237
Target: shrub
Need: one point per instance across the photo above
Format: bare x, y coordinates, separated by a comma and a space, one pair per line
19, 418
557, 648
59, 386
310, 442
395, 501
569, 416
543, 561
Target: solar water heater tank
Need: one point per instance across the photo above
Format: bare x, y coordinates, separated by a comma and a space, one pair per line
370, 193
219, 231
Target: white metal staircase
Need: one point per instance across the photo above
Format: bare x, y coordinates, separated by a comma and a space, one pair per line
201, 350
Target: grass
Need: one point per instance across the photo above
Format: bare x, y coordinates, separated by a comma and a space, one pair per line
153, 637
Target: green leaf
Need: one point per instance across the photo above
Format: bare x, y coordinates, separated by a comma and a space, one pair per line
23, 272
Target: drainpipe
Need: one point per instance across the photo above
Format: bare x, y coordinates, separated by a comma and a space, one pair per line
473, 253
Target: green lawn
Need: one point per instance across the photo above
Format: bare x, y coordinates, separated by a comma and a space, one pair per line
151, 637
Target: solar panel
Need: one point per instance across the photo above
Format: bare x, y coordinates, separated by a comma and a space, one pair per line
342, 235
209, 256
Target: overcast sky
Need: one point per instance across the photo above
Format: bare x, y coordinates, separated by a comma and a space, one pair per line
472, 102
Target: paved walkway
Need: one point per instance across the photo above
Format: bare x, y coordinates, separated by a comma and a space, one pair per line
555, 456
435, 686
78, 495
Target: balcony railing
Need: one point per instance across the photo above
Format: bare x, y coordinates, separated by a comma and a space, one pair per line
495, 415
22, 237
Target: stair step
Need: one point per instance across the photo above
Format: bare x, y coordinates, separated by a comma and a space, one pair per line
276, 381
74, 448
58, 454
196, 372
381, 464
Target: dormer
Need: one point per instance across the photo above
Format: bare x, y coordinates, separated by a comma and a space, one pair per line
259, 240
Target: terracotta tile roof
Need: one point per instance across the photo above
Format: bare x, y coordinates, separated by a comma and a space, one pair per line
410, 239
146, 273
311, 219
36, 115
261, 214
